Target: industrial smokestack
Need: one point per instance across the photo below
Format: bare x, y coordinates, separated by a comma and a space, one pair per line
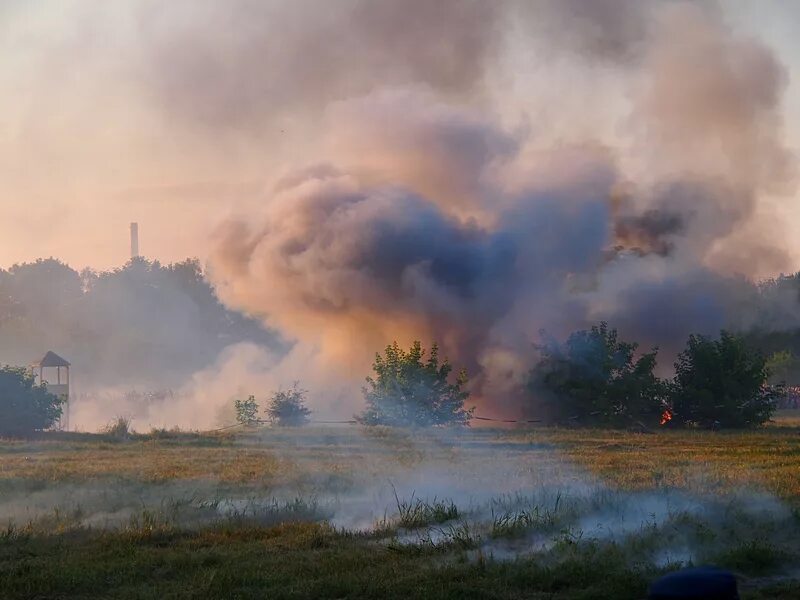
134, 240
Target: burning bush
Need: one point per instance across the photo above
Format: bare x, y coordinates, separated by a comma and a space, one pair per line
24, 406
722, 383
287, 408
594, 379
411, 392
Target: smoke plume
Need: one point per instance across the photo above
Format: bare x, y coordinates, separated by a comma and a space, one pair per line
434, 220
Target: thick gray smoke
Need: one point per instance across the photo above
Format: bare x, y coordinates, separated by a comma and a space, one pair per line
611, 31
435, 221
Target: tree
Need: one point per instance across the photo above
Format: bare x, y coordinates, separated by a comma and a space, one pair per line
24, 406
411, 392
595, 378
722, 383
246, 411
287, 408
143, 324
40, 307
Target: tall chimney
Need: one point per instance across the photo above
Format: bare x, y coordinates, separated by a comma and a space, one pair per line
134, 240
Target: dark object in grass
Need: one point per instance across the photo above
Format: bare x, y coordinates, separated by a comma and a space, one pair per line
699, 583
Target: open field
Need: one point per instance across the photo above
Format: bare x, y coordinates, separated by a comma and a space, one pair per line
348, 512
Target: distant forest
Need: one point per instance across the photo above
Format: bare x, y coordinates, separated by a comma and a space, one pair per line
154, 325
142, 324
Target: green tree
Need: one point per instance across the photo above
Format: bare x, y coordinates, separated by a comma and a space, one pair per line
288, 408
596, 379
411, 391
142, 324
24, 406
722, 383
246, 411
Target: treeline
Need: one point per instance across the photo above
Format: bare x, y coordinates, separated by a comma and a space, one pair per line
142, 324
592, 379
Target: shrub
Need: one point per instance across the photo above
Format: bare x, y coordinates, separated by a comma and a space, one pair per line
411, 392
119, 428
722, 383
24, 406
287, 408
594, 378
246, 411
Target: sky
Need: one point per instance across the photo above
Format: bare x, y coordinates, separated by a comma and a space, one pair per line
160, 113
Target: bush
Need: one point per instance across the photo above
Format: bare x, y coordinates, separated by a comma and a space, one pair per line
119, 428
407, 391
722, 383
287, 408
24, 406
594, 379
246, 411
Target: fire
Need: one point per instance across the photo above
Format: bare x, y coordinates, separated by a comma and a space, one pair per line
666, 416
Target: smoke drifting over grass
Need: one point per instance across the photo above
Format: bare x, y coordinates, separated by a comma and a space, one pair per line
481, 495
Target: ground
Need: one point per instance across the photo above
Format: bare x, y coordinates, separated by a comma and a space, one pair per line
377, 513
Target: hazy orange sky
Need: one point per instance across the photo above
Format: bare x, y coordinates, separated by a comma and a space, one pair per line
106, 117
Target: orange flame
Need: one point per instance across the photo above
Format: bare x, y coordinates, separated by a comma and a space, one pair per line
666, 416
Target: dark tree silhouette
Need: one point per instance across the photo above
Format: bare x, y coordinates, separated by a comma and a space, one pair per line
24, 406
596, 379
722, 383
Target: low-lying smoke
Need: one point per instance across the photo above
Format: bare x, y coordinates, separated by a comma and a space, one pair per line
496, 498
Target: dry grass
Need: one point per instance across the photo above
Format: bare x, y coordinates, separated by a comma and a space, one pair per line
768, 459
142, 461
205, 503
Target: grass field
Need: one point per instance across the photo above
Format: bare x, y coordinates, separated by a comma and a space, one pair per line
348, 512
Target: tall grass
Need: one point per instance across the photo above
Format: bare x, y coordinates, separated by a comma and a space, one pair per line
415, 512
119, 428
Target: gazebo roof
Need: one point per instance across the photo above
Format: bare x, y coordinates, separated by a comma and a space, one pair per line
51, 359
